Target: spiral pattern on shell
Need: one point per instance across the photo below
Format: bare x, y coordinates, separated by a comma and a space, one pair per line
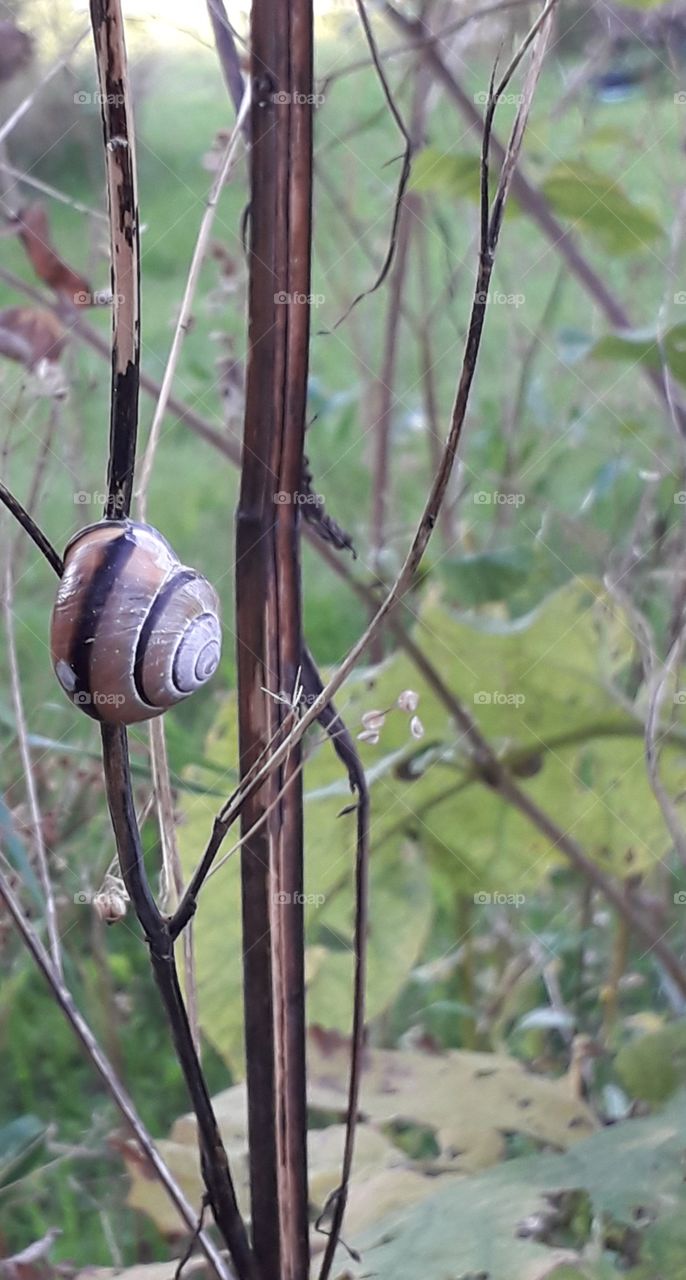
133, 631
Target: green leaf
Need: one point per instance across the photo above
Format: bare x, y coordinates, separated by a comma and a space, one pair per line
634, 347
400, 916
487, 575
476, 1226
456, 174
653, 1067
598, 204
18, 1140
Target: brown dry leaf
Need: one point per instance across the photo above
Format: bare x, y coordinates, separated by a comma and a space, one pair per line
31, 334
470, 1100
374, 1154
34, 232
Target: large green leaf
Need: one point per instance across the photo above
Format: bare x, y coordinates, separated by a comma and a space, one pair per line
596, 203
541, 689
632, 1173
400, 917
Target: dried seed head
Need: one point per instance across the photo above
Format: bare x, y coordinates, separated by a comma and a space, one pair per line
369, 735
110, 905
416, 727
408, 700
374, 720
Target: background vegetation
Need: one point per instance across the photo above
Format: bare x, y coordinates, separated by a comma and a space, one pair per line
552, 604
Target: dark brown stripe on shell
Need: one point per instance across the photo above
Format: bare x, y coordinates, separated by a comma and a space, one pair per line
104, 577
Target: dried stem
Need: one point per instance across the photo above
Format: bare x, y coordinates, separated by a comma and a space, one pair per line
229, 58
405, 169
183, 321
269, 629
108, 34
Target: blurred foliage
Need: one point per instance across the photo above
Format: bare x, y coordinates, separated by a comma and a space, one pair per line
571, 476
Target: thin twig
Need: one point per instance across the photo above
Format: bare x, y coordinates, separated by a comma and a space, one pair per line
423, 39
183, 321
109, 1077
46, 189
36, 821
171, 863
405, 169
346, 750
229, 57
29, 525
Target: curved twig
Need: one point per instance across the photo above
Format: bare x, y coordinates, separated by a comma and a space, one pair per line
404, 172
34, 531
347, 752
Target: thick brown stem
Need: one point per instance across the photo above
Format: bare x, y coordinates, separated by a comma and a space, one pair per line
269, 630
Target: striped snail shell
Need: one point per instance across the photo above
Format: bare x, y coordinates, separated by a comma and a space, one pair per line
133, 631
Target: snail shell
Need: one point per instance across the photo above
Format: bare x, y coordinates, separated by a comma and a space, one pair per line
133, 631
